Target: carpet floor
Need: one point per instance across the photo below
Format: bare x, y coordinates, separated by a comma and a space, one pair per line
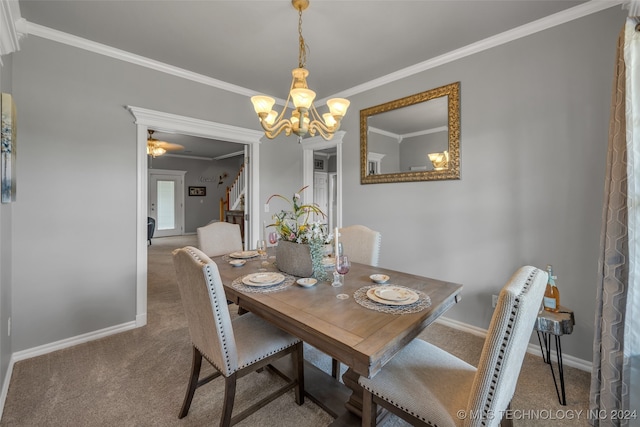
138, 377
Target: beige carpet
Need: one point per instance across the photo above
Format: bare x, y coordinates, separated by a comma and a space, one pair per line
138, 378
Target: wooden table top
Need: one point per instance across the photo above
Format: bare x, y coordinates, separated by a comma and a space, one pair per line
359, 337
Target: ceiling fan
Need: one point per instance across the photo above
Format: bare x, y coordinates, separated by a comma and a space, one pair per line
157, 148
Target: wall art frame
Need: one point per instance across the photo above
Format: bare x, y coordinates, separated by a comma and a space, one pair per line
8, 148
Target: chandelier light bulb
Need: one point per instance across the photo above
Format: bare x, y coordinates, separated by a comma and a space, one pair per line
338, 106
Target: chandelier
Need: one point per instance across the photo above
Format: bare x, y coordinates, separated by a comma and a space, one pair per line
304, 117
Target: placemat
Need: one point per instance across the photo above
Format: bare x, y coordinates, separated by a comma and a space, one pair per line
239, 285
361, 298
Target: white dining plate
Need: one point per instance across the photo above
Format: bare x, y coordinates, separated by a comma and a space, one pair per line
379, 278
393, 293
413, 297
306, 282
263, 279
244, 254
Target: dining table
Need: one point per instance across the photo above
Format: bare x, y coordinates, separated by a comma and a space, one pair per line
348, 323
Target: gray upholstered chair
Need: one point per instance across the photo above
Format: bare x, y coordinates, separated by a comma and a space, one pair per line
361, 244
427, 386
235, 347
219, 238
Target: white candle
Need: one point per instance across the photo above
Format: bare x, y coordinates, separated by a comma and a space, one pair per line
335, 241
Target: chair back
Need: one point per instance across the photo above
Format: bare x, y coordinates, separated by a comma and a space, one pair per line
361, 244
505, 346
205, 306
219, 238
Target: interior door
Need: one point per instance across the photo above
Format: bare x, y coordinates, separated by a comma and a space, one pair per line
321, 194
166, 203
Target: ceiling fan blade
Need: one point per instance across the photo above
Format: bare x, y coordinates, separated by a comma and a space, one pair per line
169, 146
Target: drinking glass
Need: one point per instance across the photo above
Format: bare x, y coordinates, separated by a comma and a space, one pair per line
261, 247
342, 267
273, 237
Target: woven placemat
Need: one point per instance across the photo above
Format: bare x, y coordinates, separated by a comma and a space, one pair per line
361, 298
239, 285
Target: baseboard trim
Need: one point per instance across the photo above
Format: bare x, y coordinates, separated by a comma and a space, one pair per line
70, 342
5, 386
567, 359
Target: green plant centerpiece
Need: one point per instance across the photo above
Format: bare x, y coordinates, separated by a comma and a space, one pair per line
301, 240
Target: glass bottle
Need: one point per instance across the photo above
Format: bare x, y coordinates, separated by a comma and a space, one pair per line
551, 300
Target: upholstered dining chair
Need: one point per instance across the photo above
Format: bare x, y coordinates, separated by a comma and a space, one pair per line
427, 386
235, 347
219, 238
361, 244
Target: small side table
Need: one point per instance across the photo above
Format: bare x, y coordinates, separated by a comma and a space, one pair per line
557, 324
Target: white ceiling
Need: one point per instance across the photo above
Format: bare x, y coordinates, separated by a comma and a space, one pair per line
254, 44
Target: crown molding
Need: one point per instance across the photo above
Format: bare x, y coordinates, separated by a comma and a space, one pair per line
10, 20
542, 24
122, 55
580, 11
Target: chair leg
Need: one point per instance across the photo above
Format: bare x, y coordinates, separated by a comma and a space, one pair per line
298, 365
229, 398
196, 364
369, 409
335, 368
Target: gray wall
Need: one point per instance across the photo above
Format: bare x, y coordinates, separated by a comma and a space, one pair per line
534, 121
534, 131
77, 211
199, 211
5, 245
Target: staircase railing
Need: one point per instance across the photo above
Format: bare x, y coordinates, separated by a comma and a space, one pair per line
234, 194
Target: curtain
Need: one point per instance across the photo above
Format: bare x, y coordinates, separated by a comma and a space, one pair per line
617, 324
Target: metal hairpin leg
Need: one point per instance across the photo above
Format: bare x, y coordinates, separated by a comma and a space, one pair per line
546, 357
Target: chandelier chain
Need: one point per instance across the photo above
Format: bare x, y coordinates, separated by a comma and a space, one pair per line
302, 54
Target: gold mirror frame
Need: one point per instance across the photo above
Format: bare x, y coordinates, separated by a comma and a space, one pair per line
452, 91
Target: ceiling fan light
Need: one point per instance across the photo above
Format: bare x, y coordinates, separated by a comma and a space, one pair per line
302, 98
338, 106
262, 103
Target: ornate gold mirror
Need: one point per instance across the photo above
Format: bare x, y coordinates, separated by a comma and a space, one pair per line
416, 138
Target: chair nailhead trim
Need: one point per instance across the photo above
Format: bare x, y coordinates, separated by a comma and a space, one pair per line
505, 341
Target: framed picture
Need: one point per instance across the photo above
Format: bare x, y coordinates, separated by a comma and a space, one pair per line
8, 142
197, 191
318, 164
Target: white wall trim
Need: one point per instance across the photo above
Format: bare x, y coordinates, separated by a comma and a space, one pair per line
10, 20
173, 123
542, 24
567, 359
5, 385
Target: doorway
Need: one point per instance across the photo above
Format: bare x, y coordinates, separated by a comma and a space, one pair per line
309, 145
166, 122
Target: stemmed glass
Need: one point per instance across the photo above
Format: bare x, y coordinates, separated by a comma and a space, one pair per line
342, 267
261, 247
273, 237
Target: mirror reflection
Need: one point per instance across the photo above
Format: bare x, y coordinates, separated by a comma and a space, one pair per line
412, 139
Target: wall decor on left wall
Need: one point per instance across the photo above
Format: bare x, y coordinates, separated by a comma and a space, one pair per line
8, 144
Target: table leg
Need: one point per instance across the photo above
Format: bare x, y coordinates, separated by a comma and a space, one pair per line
354, 405
546, 357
